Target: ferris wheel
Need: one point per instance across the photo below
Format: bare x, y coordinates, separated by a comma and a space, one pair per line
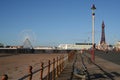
27, 38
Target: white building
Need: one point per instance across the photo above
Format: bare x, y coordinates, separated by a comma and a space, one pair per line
117, 45
44, 47
77, 46
102, 46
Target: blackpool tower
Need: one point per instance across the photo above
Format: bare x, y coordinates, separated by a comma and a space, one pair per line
103, 45
103, 34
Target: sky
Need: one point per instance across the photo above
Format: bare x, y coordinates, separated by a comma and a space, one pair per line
54, 22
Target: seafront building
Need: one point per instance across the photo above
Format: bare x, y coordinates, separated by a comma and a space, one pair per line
117, 46
44, 47
76, 46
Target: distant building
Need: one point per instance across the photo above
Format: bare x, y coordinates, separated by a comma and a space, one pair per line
77, 46
117, 46
110, 47
44, 47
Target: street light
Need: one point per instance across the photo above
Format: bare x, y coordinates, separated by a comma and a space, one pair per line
93, 31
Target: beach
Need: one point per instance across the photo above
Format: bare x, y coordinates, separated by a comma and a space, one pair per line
16, 66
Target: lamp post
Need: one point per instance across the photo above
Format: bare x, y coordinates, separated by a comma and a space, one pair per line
93, 32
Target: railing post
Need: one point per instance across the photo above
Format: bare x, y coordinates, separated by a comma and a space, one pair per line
69, 57
48, 78
4, 77
53, 74
57, 68
41, 73
30, 72
60, 64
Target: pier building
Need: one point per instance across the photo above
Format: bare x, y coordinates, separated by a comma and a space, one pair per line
76, 46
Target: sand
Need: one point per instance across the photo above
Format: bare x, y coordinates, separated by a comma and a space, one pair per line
16, 66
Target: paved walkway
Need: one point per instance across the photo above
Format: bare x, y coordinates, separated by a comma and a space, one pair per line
67, 73
99, 70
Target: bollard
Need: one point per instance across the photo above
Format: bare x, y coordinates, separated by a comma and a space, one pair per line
30, 72
4, 77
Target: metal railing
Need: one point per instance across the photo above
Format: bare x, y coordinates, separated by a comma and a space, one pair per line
54, 68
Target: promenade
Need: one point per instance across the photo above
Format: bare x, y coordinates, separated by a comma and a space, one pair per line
101, 69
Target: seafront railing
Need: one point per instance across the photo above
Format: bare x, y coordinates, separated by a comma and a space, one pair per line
46, 72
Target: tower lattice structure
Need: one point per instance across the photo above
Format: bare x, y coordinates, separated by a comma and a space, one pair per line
103, 44
103, 34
